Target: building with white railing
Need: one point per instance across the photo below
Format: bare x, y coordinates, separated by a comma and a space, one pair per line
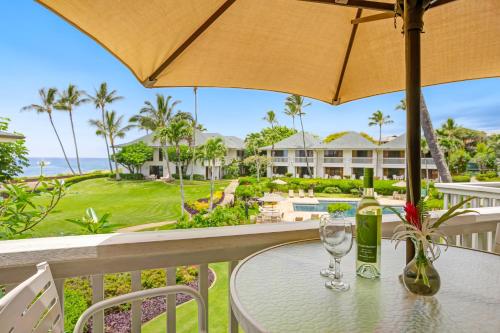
344, 157
157, 166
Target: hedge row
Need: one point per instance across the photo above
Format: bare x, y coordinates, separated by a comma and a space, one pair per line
196, 176
490, 176
76, 179
460, 178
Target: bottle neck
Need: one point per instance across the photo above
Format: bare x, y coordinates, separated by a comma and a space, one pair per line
368, 192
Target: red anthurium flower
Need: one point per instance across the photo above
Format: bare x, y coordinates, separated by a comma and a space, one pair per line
413, 215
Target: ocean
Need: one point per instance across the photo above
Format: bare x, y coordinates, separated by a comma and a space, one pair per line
57, 165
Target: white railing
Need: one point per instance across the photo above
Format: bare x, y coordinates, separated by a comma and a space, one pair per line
362, 160
132, 252
487, 194
277, 159
339, 160
394, 160
429, 161
304, 159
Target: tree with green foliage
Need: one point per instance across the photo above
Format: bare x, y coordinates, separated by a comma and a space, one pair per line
133, 156
253, 143
47, 105
113, 129
68, 100
493, 141
458, 160
102, 98
184, 158
21, 211
276, 134
431, 138
334, 136
212, 150
245, 193
297, 104
291, 112
177, 130
92, 223
270, 118
13, 155
155, 117
379, 119
485, 157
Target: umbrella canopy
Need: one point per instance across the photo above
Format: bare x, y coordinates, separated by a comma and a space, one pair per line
271, 197
9, 137
311, 48
279, 182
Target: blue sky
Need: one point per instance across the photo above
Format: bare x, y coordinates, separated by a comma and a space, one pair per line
38, 49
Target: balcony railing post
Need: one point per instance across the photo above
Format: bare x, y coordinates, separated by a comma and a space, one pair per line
59, 283
97, 282
232, 322
203, 286
171, 300
135, 309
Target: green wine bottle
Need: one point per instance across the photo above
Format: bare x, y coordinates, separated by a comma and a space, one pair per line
368, 231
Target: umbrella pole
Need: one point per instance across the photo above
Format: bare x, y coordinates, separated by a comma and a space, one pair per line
413, 25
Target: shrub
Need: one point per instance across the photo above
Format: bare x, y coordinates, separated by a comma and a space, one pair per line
247, 181
339, 207
76, 179
288, 174
461, 179
220, 216
354, 192
75, 303
488, 176
332, 189
434, 204
129, 176
201, 205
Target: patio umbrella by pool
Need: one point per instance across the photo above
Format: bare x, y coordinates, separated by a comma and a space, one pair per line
332, 50
271, 198
279, 182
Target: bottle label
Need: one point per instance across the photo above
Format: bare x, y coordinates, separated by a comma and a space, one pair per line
366, 230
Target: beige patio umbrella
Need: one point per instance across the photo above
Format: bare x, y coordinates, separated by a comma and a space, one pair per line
332, 50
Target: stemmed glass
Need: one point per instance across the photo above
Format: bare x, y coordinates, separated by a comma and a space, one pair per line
336, 235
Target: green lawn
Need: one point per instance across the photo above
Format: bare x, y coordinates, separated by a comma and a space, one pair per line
187, 313
129, 202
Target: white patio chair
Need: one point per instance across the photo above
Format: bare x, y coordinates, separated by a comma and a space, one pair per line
301, 193
291, 194
310, 193
33, 306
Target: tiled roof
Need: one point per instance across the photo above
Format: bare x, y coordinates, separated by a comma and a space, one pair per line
11, 136
231, 142
398, 143
350, 140
295, 142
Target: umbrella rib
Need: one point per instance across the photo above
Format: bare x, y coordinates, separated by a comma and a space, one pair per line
364, 4
346, 57
152, 78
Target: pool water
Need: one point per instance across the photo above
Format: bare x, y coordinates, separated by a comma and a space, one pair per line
322, 206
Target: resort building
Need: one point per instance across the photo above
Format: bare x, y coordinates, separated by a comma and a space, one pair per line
158, 166
344, 157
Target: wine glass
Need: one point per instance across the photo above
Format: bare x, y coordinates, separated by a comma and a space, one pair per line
330, 270
336, 235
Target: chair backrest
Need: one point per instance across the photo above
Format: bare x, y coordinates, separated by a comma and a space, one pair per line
32, 306
496, 246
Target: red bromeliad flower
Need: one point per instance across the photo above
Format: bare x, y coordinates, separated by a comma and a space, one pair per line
413, 215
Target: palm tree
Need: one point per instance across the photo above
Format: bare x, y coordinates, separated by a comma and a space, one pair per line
48, 99
431, 138
69, 99
101, 99
270, 118
291, 112
296, 103
112, 127
378, 119
195, 125
213, 149
254, 141
155, 117
177, 130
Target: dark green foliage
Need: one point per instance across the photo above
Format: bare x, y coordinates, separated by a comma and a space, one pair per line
129, 176
186, 176
76, 179
489, 176
13, 155
220, 216
247, 181
339, 207
75, 303
332, 189
354, 191
134, 156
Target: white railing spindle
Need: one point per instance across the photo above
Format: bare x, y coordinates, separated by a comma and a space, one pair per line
171, 307
203, 286
59, 283
97, 282
135, 309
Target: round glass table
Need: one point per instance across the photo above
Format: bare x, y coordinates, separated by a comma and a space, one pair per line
280, 290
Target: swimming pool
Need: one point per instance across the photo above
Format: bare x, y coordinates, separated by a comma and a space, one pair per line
322, 206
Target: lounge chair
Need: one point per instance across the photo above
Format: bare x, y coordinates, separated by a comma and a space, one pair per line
291, 194
299, 219
310, 193
301, 193
314, 216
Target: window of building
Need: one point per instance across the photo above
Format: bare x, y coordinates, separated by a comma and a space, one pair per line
333, 153
394, 153
300, 153
362, 153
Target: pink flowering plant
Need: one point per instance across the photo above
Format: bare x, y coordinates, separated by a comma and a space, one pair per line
418, 227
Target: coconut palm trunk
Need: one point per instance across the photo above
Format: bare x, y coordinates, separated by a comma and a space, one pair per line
304, 143
181, 180
74, 141
117, 174
430, 136
212, 180
106, 141
60, 143
165, 156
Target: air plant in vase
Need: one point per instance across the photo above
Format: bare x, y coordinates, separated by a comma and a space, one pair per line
419, 276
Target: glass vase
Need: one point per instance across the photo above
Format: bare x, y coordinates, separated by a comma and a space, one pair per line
419, 276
